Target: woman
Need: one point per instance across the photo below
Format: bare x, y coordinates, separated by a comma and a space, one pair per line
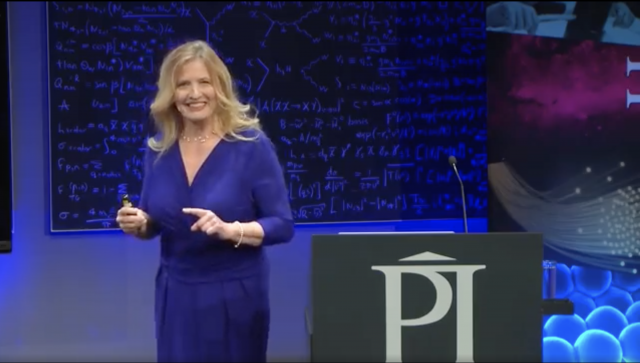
214, 191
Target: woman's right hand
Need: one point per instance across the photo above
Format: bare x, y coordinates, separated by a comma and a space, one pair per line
132, 220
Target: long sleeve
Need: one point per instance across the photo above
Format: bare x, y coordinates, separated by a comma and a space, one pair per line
270, 194
153, 228
146, 177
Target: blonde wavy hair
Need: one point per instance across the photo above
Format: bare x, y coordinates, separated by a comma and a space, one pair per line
232, 115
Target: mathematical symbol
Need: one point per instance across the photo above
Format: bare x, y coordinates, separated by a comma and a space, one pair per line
265, 75
63, 106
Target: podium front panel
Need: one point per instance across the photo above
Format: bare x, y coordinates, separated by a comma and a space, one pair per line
427, 298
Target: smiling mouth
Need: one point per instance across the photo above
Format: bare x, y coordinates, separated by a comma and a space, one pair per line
197, 105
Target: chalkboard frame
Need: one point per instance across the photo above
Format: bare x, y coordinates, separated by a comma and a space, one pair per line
50, 131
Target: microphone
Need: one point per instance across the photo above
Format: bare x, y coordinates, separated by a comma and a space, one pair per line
453, 162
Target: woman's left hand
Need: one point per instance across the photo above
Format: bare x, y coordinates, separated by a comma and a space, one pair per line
209, 223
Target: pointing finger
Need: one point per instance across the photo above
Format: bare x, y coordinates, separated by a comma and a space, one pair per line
198, 212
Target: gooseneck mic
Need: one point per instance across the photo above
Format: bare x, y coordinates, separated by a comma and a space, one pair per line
453, 162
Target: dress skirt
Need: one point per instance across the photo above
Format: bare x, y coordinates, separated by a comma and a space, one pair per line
221, 321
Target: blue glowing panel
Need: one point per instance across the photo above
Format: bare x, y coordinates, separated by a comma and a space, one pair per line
364, 100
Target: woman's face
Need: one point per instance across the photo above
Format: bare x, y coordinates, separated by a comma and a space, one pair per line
194, 95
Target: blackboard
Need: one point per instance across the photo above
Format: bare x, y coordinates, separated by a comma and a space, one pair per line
365, 101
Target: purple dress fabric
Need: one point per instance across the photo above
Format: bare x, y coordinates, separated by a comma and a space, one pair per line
212, 300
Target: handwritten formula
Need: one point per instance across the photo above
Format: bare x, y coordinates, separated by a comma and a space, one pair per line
365, 101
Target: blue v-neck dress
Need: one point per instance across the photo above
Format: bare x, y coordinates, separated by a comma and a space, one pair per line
212, 300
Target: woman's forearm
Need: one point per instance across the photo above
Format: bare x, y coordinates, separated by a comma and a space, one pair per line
263, 232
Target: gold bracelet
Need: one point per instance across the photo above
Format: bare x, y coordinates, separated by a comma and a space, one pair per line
241, 234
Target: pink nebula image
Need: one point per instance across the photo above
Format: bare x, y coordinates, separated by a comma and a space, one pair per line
551, 82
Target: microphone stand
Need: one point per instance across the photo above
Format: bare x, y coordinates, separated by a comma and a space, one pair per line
464, 202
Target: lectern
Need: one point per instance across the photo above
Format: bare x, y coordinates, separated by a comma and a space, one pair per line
426, 298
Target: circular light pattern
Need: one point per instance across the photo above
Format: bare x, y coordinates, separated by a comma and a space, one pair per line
605, 326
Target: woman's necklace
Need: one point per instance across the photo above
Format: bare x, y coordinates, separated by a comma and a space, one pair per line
201, 138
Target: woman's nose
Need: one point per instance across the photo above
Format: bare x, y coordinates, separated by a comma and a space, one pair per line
195, 91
